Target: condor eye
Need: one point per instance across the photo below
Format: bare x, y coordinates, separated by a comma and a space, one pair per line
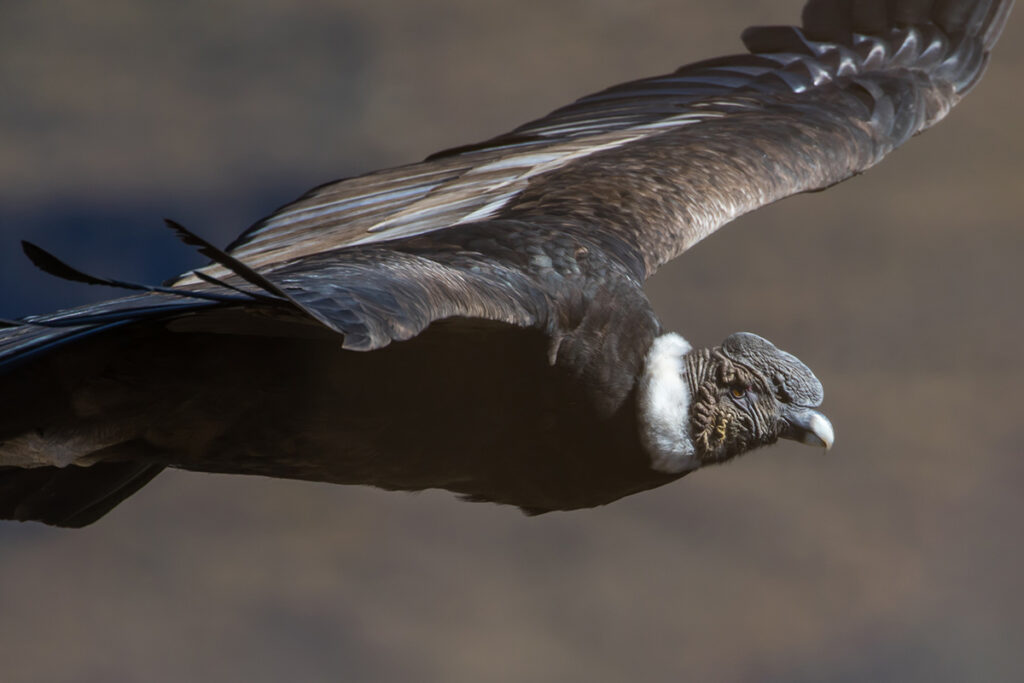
739, 392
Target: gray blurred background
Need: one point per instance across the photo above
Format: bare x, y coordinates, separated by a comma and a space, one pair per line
895, 557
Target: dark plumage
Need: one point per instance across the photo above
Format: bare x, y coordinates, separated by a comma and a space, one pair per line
476, 322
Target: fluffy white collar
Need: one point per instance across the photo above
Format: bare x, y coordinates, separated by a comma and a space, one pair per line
663, 406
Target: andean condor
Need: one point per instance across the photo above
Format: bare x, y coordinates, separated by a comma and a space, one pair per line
476, 322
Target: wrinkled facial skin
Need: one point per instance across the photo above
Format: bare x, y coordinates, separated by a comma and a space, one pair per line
751, 394
742, 414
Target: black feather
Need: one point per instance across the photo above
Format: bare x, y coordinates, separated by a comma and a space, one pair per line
51, 265
209, 279
70, 496
224, 259
243, 271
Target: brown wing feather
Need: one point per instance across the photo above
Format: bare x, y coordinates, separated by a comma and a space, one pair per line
610, 187
806, 109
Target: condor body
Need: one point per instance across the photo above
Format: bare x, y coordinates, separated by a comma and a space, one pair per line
476, 322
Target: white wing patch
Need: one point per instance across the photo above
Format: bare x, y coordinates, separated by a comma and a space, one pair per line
421, 198
478, 182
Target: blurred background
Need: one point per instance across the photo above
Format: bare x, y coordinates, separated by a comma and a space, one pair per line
895, 557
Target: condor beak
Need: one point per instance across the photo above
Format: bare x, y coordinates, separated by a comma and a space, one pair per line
809, 427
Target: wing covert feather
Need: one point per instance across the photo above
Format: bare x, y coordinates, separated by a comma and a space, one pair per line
654, 165
869, 74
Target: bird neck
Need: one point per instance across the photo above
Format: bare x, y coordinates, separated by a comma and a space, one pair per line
698, 366
663, 405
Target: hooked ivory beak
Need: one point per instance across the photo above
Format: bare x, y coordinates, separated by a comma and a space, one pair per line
810, 427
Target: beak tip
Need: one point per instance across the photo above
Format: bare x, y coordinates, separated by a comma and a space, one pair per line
809, 427
820, 432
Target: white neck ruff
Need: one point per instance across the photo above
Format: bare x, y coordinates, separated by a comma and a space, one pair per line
663, 406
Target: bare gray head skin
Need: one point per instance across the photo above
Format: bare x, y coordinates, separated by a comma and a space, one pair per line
704, 406
748, 393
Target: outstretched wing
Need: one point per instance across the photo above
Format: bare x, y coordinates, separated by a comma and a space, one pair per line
590, 199
665, 161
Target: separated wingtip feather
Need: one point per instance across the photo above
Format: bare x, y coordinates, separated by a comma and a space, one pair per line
51, 265
224, 259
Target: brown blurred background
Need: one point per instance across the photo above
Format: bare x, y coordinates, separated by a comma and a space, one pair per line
896, 557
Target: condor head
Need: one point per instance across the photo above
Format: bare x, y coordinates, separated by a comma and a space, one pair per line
704, 406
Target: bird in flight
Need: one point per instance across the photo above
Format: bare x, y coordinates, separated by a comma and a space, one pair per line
476, 322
